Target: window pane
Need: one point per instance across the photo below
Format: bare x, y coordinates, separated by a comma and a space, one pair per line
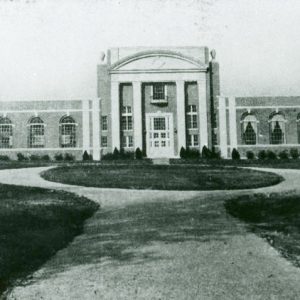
158, 91
104, 123
196, 140
159, 124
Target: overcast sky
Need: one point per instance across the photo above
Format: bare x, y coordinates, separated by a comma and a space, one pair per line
50, 49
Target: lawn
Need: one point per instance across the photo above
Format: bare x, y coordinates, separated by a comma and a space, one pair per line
275, 217
164, 177
34, 224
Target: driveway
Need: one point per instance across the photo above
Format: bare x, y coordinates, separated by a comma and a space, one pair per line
230, 263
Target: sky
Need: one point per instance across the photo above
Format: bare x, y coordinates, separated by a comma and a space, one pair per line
49, 49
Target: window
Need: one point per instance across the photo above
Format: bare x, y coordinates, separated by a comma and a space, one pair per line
127, 141
104, 141
126, 121
36, 133
104, 123
159, 124
298, 127
277, 129
191, 117
249, 129
158, 92
192, 140
67, 132
5, 133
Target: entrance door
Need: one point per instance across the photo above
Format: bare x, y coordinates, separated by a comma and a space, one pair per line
160, 135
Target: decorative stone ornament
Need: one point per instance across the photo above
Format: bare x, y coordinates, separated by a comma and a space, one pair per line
102, 56
213, 54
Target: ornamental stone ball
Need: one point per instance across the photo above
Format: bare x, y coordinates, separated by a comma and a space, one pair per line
213, 54
102, 56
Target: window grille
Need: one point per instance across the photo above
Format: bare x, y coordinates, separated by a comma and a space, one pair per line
127, 141
104, 123
192, 117
158, 91
126, 120
104, 141
6, 134
277, 129
192, 140
249, 129
36, 133
67, 132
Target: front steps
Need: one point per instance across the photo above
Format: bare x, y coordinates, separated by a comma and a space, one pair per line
161, 161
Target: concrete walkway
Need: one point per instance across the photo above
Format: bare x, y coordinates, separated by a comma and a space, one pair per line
230, 264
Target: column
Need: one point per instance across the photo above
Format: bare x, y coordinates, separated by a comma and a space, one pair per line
115, 115
232, 123
222, 127
96, 129
86, 125
181, 127
202, 96
137, 115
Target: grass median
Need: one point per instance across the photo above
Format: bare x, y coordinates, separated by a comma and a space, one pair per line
34, 224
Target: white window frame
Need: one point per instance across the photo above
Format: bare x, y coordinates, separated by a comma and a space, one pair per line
128, 143
104, 128
3, 130
190, 114
104, 144
127, 114
193, 143
162, 100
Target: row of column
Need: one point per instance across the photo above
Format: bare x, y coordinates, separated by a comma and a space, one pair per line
227, 126
137, 114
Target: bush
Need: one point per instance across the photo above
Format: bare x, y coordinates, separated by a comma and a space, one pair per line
138, 153
45, 157
107, 156
192, 153
294, 153
58, 157
250, 155
182, 152
262, 154
116, 154
34, 157
127, 154
271, 155
4, 158
69, 157
235, 154
283, 155
86, 156
206, 153
215, 154
21, 157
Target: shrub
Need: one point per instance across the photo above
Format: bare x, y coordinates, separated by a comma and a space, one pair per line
250, 155
206, 153
138, 153
192, 153
235, 154
262, 154
45, 157
116, 153
271, 155
215, 154
182, 152
21, 157
294, 153
34, 157
127, 155
107, 156
283, 155
85, 156
69, 157
4, 158
58, 157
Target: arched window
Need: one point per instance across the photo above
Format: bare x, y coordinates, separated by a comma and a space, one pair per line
36, 137
67, 132
249, 129
277, 129
5, 133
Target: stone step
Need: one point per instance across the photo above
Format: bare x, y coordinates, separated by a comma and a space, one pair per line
161, 161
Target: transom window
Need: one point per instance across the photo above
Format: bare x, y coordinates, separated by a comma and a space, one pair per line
36, 133
159, 123
249, 130
104, 123
277, 129
67, 132
127, 141
191, 117
126, 121
192, 140
5, 133
159, 92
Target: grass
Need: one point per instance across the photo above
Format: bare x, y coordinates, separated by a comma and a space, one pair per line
178, 177
34, 224
275, 217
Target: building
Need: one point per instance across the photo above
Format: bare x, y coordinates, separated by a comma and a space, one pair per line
155, 99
